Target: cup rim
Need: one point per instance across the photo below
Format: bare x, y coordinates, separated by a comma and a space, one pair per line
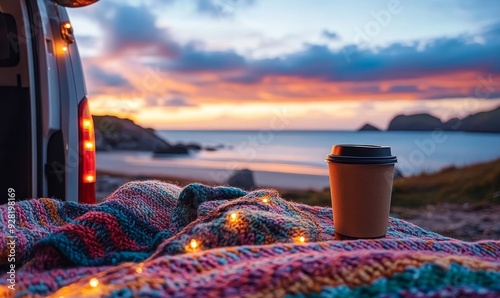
363, 154
385, 160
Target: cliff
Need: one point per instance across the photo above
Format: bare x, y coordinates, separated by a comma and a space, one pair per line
113, 133
415, 122
481, 122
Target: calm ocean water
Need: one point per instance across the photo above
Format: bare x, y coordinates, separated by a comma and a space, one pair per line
283, 151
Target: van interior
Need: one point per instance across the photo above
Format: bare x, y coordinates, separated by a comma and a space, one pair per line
15, 111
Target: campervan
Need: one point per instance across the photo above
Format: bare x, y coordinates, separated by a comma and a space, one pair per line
47, 146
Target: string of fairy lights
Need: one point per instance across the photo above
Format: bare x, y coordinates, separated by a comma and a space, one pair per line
96, 285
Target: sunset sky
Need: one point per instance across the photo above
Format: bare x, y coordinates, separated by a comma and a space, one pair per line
319, 64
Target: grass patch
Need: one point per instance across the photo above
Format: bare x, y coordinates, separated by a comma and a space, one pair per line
475, 184
478, 184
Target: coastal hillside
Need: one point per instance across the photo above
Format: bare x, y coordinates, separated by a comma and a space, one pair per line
415, 122
113, 133
488, 121
480, 122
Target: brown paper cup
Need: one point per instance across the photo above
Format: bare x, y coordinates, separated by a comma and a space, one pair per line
361, 188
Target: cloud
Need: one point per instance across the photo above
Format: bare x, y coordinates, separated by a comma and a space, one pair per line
102, 78
221, 8
132, 25
447, 56
134, 29
403, 88
372, 89
130, 28
330, 35
441, 68
192, 59
396, 61
178, 102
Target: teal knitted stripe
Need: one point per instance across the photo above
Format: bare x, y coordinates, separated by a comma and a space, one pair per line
429, 280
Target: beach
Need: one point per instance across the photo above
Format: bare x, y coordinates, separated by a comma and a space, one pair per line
143, 164
294, 160
305, 151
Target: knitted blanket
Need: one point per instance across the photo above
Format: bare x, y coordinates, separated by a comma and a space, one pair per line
155, 239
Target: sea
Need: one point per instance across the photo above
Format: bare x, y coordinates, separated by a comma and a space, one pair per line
305, 151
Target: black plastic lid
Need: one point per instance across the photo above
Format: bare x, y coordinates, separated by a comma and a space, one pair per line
362, 154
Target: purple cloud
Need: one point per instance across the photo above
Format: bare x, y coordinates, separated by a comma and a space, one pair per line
330, 35
103, 78
221, 8
135, 28
178, 102
446, 56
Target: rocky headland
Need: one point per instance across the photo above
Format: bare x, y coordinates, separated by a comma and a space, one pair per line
369, 127
480, 122
113, 133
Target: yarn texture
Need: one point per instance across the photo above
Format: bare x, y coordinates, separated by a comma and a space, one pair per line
155, 239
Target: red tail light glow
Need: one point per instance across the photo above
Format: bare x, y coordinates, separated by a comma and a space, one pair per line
87, 170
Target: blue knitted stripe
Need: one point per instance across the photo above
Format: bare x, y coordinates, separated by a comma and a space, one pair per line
429, 280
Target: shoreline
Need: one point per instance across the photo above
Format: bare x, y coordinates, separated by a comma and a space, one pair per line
187, 169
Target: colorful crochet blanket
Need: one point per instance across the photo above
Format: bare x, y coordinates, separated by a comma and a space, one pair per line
155, 239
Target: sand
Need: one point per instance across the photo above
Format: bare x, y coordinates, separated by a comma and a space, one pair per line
137, 165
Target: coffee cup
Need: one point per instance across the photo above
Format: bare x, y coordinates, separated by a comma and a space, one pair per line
361, 178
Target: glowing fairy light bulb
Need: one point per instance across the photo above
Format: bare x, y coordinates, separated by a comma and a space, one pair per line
138, 270
302, 239
193, 244
234, 216
65, 49
94, 282
265, 200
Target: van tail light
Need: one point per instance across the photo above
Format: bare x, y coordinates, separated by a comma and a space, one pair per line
87, 170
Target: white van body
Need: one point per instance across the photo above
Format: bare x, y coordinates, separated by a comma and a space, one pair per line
42, 88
